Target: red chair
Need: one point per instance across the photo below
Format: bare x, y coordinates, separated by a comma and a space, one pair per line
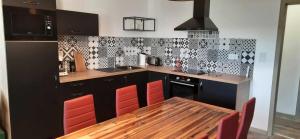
126, 100
155, 93
204, 137
79, 113
227, 127
246, 119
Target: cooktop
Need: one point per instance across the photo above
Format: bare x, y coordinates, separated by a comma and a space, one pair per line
192, 71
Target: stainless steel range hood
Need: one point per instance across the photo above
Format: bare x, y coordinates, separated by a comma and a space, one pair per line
200, 20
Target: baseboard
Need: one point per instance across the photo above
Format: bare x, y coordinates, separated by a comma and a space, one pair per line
260, 131
287, 116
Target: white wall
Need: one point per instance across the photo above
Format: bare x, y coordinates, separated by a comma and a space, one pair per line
169, 14
111, 13
235, 19
290, 66
4, 106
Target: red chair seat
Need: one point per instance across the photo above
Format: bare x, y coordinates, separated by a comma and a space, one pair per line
79, 113
155, 92
246, 119
228, 126
126, 100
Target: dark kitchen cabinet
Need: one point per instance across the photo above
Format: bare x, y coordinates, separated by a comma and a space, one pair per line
218, 93
154, 76
75, 89
32, 71
77, 23
140, 79
104, 95
36, 4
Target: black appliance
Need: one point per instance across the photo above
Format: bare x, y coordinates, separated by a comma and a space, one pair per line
155, 61
185, 87
29, 24
32, 71
200, 19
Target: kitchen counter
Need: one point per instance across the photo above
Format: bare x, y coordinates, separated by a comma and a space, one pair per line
92, 74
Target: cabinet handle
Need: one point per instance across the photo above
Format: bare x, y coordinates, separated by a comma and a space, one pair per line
78, 84
77, 94
32, 2
56, 81
109, 80
201, 85
74, 31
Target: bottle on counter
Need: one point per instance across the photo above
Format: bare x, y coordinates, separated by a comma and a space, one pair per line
72, 66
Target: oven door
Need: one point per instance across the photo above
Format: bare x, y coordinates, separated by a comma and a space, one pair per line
29, 24
184, 90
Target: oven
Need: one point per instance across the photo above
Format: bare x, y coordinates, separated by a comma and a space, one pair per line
29, 24
185, 87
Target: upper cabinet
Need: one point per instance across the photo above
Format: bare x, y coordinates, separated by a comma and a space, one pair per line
77, 23
37, 4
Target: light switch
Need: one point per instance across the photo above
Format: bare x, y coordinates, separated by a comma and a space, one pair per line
233, 57
262, 57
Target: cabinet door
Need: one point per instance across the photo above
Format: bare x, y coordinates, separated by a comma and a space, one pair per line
218, 93
154, 76
77, 23
105, 96
139, 79
38, 4
32, 69
75, 89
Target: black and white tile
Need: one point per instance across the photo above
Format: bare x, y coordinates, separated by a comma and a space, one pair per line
248, 57
168, 51
203, 52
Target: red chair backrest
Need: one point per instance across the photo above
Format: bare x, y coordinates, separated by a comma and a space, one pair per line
246, 119
228, 126
204, 137
126, 100
79, 113
155, 93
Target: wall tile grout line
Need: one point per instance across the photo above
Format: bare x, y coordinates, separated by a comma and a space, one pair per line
201, 51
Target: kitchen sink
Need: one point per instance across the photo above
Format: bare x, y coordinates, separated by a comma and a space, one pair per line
118, 69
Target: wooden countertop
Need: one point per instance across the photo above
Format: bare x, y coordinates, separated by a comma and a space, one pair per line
173, 118
92, 74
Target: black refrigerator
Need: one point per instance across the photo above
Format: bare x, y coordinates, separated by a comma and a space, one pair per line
33, 74
35, 112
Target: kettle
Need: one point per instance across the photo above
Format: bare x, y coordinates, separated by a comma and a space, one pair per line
142, 59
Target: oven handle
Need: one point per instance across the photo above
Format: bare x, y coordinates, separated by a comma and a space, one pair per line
180, 83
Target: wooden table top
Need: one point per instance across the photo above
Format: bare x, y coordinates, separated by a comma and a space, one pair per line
173, 118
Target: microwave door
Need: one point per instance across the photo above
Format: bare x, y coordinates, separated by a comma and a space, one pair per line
21, 24
32, 25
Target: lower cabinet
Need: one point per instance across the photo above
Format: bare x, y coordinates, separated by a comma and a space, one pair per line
104, 90
140, 79
218, 93
154, 76
75, 89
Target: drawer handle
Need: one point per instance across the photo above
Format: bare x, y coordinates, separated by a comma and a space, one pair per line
31, 2
184, 84
108, 80
78, 85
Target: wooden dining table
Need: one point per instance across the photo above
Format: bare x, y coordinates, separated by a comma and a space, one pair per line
173, 118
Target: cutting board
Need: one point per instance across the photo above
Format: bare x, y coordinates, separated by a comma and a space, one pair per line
79, 62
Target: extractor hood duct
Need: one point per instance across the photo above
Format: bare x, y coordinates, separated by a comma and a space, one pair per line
200, 20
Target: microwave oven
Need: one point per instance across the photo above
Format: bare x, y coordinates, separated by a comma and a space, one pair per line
29, 24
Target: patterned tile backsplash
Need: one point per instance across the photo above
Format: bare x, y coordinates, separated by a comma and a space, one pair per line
201, 52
